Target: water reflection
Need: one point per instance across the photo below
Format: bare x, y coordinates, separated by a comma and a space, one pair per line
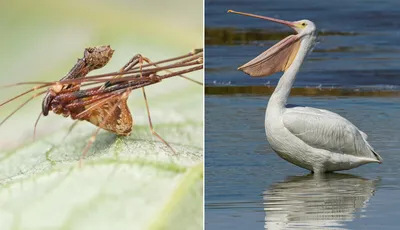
316, 202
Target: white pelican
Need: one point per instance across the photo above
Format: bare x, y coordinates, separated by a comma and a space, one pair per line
314, 139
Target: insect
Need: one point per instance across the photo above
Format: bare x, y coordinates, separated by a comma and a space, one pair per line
102, 99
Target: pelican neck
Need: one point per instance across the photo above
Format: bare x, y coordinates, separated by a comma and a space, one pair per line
282, 90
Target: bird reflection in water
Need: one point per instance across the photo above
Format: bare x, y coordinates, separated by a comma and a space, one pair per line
316, 201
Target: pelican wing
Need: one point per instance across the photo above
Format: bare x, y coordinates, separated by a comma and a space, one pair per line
323, 129
277, 58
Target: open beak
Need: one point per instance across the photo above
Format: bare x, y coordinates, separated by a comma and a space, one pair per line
277, 58
287, 23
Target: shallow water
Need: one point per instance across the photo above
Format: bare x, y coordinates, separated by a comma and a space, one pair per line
249, 187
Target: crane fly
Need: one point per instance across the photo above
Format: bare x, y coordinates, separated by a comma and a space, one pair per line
102, 99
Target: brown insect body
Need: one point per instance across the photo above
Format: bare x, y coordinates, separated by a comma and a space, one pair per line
94, 58
104, 104
120, 122
78, 103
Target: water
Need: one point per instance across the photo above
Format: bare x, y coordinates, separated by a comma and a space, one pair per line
354, 71
249, 186
359, 41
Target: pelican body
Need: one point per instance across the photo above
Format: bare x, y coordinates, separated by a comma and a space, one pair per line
314, 139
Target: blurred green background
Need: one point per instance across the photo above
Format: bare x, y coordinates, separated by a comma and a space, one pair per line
41, 40
126, 183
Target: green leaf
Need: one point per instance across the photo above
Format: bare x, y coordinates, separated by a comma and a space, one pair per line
125, 182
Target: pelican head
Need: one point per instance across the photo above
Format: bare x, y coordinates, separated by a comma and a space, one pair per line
304, 26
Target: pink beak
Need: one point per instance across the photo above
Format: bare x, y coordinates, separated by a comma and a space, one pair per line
290, 24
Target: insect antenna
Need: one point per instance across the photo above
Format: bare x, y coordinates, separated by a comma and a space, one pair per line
18, 96
21, 105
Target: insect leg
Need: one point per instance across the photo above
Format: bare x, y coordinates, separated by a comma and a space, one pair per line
151, 124
141, 59
169, 71
131, 63
34, 127
70, 129
106, 118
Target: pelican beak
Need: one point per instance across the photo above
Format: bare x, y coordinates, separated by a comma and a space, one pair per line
287, 23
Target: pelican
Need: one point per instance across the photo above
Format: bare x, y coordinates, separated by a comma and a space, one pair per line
314, 139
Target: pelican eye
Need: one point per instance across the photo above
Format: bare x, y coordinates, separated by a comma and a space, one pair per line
303, 24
